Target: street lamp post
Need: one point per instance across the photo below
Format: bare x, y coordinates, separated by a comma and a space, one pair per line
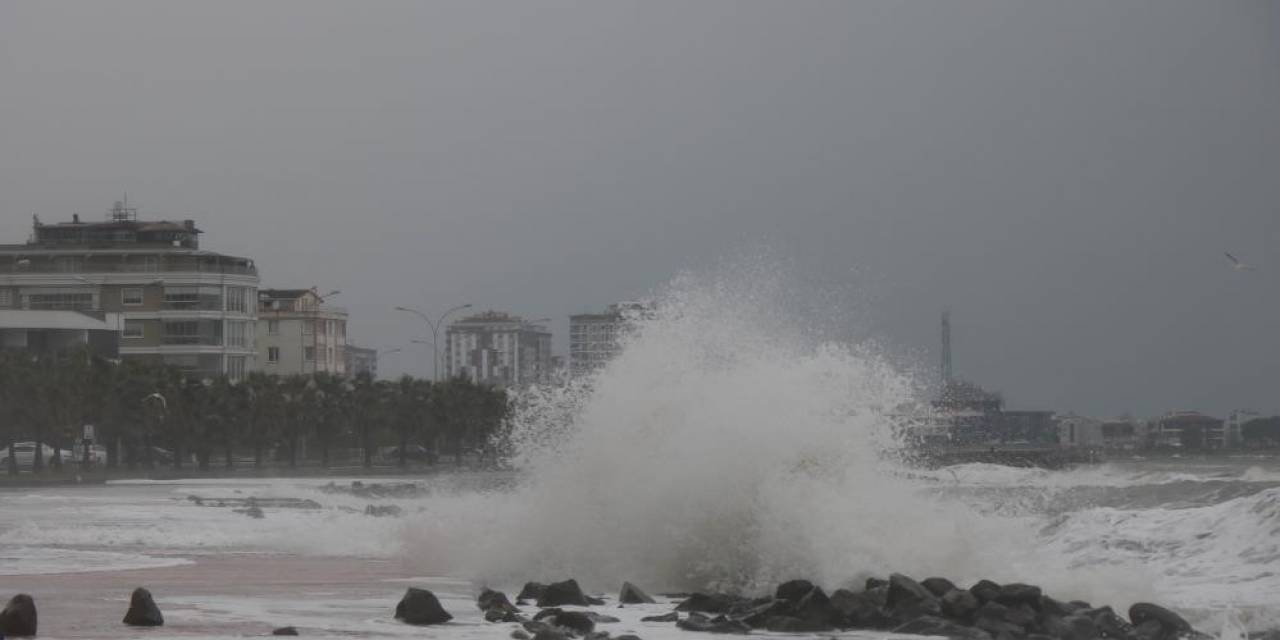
435, 334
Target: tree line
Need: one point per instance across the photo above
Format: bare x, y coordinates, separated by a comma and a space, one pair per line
158, 414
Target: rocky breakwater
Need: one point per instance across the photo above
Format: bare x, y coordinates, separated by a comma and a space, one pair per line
931, 607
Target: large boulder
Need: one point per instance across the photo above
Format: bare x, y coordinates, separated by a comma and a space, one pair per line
903, 589
420, 607
143, 611
1109, 624
935, 626
1172, 623
985, 590
562, 593
1017, 593
793, 590
18, 618
938, 586
579, 622
490, 599
815, 610
632, 594
531, 591
285, 631
858, 610
960, 604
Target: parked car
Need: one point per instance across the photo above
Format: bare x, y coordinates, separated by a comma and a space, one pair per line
24, 453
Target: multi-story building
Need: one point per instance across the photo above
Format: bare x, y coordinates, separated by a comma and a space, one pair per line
1079, 431
298, 333
595, 338
169, 301
361, 360
498, 348
1236, 420
1189, 430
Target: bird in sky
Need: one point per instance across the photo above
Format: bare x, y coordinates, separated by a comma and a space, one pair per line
1236, 264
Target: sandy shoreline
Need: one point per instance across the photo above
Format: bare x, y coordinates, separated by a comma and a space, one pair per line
218, 595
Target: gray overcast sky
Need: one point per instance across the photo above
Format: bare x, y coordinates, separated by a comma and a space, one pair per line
1065, 175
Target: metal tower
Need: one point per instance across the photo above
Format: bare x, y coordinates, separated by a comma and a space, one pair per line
946, 347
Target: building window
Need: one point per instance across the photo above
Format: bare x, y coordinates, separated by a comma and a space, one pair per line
133, 328
235, 367
131, 296
68, 264
236, 334
273, 327
308, 327
273, 354
309, 353
53, 301
6, 298
237, 299
182, 332
323, 358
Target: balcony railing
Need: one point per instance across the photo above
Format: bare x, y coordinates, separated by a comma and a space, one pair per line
163, 266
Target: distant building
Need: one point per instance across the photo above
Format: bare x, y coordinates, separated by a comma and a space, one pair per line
1032, 427
361, 360
595, 338
1236, 420
1189, 430
1079, 431
498, 348
299, 334
168, 301
971, 412
1124, 433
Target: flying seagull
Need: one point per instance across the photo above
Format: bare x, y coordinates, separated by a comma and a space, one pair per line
1236, 264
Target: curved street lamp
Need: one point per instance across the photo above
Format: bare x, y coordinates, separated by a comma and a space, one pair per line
435, 334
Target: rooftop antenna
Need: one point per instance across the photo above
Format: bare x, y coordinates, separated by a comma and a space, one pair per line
121, 212
946, 347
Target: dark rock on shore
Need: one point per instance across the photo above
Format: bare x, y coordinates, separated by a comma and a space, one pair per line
904, 590
959, 603
143, 611
490, 599
577, 621
1170, 623
632, 594
793, 590
285, 631
18, 618
985, 590
420, 607
938, 586
531, 591
562, 593
1016, 593
859, 610
718, 624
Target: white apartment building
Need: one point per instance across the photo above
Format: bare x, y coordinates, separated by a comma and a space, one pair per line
299, 334
498, 348
148, 281
595, 338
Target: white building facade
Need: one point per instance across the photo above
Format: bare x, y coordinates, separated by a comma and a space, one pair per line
498, 348
298, 334
170, 302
